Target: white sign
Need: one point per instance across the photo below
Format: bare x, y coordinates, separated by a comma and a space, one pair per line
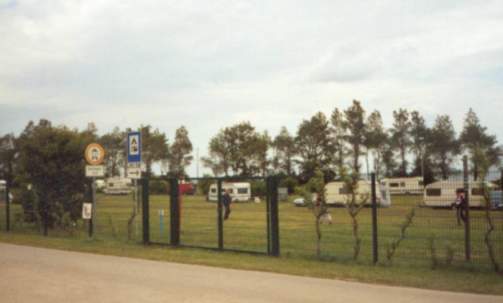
87, 210
95, 170
134, 172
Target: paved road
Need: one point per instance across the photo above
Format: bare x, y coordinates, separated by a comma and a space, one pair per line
29, 274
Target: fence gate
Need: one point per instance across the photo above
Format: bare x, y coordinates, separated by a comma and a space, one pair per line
196, 215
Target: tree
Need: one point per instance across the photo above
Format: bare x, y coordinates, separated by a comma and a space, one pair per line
475, 140
444, 146
314, 196
314, 146
337, 137
375, 140
355, 134
388, 157
8, 152
219, 158
114, 144
179, 157
155, 147
400, 136
51, 160
420, 136
240, 149
285, 151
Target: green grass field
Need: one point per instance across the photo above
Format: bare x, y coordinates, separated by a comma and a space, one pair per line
246, 230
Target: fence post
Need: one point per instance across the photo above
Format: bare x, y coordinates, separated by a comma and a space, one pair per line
220, 221
268, 213
275, 249
468, 248
145, 210
375, 251
174, 213
7, 206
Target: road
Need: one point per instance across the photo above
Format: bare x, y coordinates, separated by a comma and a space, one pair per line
29, 274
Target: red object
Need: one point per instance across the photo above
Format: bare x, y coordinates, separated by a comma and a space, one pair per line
186, 188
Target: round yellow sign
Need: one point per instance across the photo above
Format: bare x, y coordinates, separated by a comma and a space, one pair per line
94, 154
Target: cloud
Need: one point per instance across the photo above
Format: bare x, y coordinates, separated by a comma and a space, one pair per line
208, 65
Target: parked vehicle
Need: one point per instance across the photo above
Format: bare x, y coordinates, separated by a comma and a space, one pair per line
299, 202
336, 193
443, 193
186, 188
239, 191
404, 186
118, 186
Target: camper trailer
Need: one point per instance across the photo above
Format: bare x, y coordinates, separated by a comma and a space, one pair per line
118, 186
404, 186
239, 191
336, 193
443, 193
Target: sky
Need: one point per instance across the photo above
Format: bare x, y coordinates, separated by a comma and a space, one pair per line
210, 64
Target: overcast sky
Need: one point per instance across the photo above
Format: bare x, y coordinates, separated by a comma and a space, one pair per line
209, 64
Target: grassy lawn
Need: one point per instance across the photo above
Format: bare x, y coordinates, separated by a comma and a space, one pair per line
246, 230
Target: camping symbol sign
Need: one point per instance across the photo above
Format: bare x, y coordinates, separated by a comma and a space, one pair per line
134, 147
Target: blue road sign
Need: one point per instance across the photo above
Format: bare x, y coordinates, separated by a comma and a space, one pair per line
134, 147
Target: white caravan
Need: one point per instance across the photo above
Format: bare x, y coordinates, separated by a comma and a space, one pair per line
404, 186
443, 193
239, 191
118, 186
336, 193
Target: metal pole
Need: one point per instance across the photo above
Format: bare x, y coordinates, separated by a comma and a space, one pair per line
468, 249
375, 252
274, 218
174, 212
7, 205
220, 221
268, 214
145, 211
92, 222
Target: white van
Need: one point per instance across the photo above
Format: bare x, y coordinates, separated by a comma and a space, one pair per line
118, 186
239, 191
404, 186
443, 193
336, 193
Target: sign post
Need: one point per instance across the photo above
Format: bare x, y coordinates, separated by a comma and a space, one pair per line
134, 155
94, 155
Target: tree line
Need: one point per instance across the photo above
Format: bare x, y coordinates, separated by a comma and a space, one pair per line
345, 140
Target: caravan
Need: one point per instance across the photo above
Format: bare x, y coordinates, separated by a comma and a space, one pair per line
239, 191
118, 186
404, 186
336, 193
443, 193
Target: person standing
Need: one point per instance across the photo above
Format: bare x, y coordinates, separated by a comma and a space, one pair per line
227, 200
460, 205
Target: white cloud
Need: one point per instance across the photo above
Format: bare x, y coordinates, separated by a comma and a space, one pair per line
209, 64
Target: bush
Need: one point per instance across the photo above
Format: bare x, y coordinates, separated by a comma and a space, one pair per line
51, 159
258, 188
158, 187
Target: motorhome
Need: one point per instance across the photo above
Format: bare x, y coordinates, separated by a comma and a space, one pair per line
443, 193
404, 186
337, 193
239, 191
118, 186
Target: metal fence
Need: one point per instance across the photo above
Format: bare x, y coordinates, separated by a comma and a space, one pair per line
403, 222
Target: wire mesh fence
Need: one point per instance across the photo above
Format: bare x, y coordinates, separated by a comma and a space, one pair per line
417, 224
2, 207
